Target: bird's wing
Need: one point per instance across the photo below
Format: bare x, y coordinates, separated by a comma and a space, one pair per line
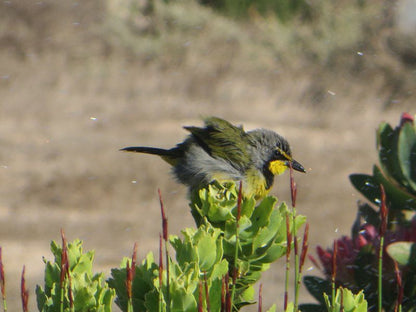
223, 140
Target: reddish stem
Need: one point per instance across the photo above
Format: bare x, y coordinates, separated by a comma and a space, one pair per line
24, 292
223, 296
160, 263
2, 278
293, 187
383, 211
206, 292
200, 299
164, 218
399, 286
304, 247
260, 298
334, 262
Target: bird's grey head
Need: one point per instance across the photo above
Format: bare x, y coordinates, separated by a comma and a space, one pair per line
267, 146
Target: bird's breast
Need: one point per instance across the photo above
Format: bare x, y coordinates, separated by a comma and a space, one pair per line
255, 184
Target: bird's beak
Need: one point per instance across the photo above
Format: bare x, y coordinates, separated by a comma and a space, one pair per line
297, 166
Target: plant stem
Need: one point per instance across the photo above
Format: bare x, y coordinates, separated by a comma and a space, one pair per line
334, 275
165, 238
160, 274
2, 283
380, 275
383, 227
288, 251
295, 241
237, 241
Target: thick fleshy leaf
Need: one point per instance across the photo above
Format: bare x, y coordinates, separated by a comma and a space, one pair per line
366, 185
402, 252
369, 186
387, 143
407, 155
397, 196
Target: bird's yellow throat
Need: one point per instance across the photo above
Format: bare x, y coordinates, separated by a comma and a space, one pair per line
277, 167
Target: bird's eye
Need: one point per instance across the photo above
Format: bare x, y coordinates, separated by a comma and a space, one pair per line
277, 153
280, 154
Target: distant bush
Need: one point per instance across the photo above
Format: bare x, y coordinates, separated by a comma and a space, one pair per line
283, 9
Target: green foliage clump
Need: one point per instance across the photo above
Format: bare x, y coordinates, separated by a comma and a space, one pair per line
82, 291
397, 171
198, 258
346, 301
225, 256
261, 229
283, 9
379, 244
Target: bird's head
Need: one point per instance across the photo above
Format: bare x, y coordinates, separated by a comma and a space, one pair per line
272, 152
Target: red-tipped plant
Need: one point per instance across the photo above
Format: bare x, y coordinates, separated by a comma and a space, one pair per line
165, 238
288, 251
2, 282
160, 273
398, 306
260, 305
223, 295
65, 275
293, 186
200, 298
305, 246
131, 272
303, 253
334, 273
206, 292
382, 232
228, 300
129, 279
164, 218
237, 240
24, 293
293, 191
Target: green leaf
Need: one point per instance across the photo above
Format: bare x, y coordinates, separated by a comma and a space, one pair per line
397, 195
407, 155
347, 300
219, 269
369, 186
261, 214
401, 252
90, 293
207, 255
387, 143
182, 301
273, 253
366, 185
267, 233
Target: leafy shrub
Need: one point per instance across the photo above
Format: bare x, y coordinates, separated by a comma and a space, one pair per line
358, 257
236, 240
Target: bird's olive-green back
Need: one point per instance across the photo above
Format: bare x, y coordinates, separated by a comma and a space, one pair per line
223, 140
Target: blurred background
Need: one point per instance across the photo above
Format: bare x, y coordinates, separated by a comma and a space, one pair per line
79, 80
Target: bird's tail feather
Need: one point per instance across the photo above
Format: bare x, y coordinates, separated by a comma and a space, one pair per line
167, 155
147, 150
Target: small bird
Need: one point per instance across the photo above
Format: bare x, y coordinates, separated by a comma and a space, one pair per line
223, 152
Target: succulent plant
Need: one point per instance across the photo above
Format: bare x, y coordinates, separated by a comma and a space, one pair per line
357, 260
236, 240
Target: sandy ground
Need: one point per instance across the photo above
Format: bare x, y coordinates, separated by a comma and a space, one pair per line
62, 123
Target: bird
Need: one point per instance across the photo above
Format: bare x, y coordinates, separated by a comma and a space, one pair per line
221, 151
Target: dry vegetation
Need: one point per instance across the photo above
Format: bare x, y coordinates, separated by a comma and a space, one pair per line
79, 80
